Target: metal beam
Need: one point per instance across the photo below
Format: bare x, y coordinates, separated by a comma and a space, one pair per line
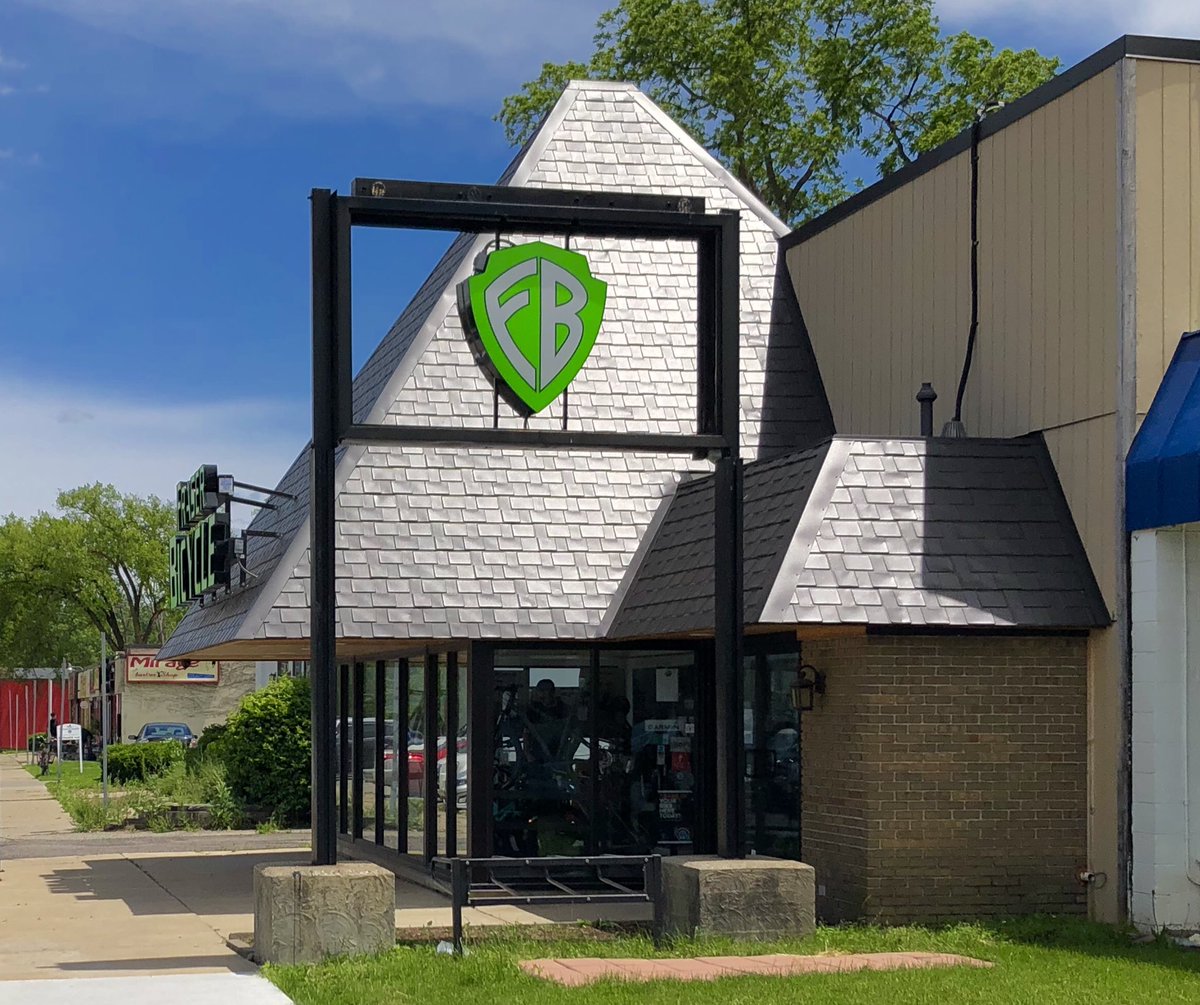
515, 218
553, 439
512, 195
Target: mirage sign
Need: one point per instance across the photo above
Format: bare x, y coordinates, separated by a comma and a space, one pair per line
532, 313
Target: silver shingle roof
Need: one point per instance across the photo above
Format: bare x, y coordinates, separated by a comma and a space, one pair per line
484, 543
897, 532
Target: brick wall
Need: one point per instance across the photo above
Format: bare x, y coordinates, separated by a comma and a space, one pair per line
947, 776
835, 775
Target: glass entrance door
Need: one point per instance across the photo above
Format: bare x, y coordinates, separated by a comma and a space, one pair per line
540, 783
646, 724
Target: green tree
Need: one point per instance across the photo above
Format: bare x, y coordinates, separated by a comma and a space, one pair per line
99, 565
784, 90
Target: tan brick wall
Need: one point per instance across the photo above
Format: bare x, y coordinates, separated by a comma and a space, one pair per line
946, 776
835, 776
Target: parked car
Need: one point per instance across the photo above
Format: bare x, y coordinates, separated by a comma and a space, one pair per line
157, 732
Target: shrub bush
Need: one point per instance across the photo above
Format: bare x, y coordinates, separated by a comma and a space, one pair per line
135, 762
267, 750
208, 747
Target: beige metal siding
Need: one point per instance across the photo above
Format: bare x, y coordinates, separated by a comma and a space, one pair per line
1168, 216
1084, 455
886, 300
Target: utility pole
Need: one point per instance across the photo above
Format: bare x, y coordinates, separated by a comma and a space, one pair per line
104, 716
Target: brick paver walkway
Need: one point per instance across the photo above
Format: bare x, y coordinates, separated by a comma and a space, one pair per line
574, 972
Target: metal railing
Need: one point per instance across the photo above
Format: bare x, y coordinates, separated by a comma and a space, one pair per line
526, 882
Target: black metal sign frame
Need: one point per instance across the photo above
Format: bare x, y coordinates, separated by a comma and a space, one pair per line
507, 209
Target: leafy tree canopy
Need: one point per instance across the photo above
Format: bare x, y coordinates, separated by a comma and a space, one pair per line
784, 90
100, 565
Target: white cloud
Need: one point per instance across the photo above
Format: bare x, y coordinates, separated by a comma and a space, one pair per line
1110, 17
383, 51
58, 437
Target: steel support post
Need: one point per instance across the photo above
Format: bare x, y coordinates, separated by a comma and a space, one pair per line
481, 745
400, 783
343, 774
431, 745
358, 753
322, 544
451, 753
727, 559
380, 744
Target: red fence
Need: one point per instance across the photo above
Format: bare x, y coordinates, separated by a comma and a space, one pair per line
25, 708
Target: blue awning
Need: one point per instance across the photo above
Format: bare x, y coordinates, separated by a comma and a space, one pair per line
1162, 472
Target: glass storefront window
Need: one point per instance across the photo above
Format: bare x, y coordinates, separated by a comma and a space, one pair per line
452, 755
373, 733
646, 718
416, 758
540, 792
772, 741
594, 751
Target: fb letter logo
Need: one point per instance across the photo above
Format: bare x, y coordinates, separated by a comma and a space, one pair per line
535, 311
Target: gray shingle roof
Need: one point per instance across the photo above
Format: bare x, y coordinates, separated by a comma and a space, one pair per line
880, 532
438, 543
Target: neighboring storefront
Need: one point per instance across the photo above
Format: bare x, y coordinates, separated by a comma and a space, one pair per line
526, 638
193, 693
1086, 205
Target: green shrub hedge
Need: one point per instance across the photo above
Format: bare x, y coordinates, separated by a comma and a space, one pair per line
135, 762
266, 748
207, 748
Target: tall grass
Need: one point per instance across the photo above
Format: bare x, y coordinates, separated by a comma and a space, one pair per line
153, 799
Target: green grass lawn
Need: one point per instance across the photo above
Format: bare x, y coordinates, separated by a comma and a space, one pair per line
72, 780
1039, 961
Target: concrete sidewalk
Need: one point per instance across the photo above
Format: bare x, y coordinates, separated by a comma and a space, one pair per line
96, 916
154, 911
27, 810
197, 989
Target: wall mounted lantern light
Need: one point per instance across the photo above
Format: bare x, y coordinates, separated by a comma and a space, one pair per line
809, 682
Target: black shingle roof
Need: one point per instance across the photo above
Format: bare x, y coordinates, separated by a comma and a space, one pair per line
885, 532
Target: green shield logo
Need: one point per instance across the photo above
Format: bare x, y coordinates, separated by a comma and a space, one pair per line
535, 311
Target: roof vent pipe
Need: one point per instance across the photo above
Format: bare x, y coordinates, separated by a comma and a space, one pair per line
927, 396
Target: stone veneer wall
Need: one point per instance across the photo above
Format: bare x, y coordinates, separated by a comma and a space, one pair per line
946, 776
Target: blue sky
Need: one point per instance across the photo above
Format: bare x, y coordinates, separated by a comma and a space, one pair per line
155, 162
